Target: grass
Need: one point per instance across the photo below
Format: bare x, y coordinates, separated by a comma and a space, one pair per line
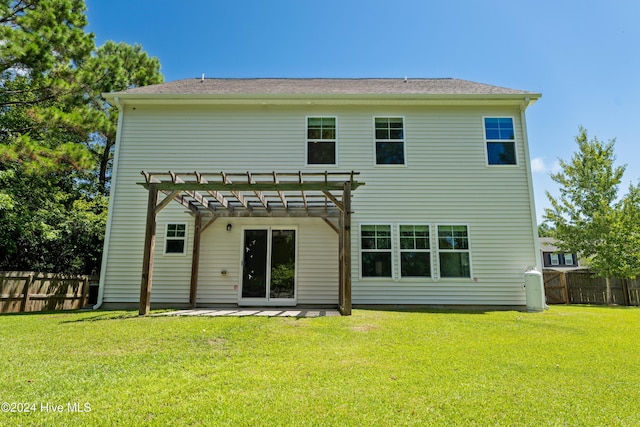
569, 366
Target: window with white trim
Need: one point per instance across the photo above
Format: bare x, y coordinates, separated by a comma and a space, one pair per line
500, 140
555, 259
568, 259
415, 254
389, 136
176, 239
375, 250
453, 251
321, 140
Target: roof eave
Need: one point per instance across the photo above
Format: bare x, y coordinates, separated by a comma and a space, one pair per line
319, 99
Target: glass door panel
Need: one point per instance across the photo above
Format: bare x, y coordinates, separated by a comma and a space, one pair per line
254, 270
283, 264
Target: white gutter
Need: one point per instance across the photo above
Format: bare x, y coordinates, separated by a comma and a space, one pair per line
107, 234
323, 99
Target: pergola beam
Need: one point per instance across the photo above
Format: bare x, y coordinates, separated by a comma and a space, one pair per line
333, 199
170, 196
258, 186
211, 221
298, 212
178, 197
334, 227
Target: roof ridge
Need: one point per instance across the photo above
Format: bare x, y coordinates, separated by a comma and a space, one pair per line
322, 78
326, 86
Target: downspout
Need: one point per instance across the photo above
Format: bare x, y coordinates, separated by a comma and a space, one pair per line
532, 203
107, 234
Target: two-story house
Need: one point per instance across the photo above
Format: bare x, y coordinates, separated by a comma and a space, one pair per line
320, 192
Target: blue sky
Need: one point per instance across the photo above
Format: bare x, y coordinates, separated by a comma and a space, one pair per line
583, 56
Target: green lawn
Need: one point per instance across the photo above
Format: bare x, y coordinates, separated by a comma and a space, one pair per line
569, 366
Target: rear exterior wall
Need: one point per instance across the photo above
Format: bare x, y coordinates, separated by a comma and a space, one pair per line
446, 180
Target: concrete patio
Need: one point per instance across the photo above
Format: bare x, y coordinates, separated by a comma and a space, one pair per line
267, 312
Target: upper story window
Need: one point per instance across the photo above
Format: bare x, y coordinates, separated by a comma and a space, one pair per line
321, 140
176, 239
554, 259
389, 134
501, 140
568, 259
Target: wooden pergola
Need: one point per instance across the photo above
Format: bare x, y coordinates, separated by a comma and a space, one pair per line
210, 196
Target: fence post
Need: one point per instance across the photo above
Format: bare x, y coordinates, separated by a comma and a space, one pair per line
85, 292
25, 292
625, 292
565, 288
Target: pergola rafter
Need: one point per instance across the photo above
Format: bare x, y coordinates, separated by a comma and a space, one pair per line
210, 196
258, 194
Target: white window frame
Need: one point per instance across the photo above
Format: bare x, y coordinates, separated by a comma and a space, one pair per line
307, 140
268, 301
397, 141
391, 251
514, 141
554, 259
429, 250
184, 239
439, 250
568, 256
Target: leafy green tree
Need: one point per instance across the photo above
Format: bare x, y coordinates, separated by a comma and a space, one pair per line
57, 133
588, 216
545, 230
43, 37
112, 67
47, 224
43, 43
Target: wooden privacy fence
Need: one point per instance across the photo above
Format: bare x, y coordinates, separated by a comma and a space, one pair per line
584, 287
31, 291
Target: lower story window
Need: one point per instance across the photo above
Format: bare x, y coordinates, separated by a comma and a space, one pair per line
176, 239
453, 251
415, 256
375, 244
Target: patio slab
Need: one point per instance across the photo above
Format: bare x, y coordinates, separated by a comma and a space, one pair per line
267, 312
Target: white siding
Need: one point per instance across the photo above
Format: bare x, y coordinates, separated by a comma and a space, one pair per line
221, 250
446, 181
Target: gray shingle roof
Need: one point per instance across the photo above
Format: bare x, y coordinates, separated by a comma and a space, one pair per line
315, 86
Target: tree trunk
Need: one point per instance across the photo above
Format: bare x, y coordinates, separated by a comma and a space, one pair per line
608, 290
104, 165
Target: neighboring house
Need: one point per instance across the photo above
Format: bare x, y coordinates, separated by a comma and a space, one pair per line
320, 192
553, 258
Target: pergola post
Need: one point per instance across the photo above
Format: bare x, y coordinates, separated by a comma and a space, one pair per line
341, 262
195, 260
149, 246
345, 282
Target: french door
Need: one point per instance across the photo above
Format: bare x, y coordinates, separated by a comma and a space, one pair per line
268, 267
